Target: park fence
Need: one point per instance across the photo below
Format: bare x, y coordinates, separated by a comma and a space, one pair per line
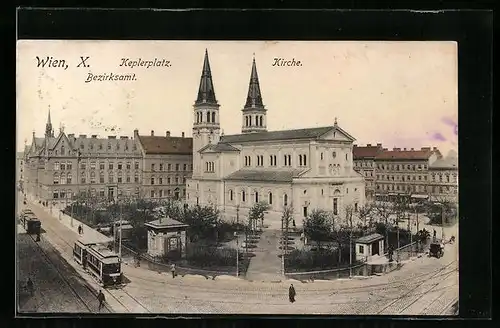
155, 263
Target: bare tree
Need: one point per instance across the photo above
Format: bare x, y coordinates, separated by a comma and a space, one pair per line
384, 210
286, 219
364, 212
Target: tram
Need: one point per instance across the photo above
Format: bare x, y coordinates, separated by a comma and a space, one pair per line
103, 264
30, 222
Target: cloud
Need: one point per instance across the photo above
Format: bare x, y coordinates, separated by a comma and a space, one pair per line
438, 136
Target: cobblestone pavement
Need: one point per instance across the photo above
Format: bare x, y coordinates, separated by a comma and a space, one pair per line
57, 286
422, 286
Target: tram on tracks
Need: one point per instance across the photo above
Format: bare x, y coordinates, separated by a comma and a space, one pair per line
30, 222
103, 264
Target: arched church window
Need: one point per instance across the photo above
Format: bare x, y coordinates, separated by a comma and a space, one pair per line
63, 152
208, 117
261, 121
250, 120
246, 120
213, 117
256, 196
243, 195
270, 198
285, 200
230, 195
300, 160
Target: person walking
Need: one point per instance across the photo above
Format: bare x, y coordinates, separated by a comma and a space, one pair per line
291, 293
172, 269
29, 285
434, 234
101, 299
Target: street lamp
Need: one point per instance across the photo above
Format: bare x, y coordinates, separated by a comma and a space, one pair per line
442, 219
237, 254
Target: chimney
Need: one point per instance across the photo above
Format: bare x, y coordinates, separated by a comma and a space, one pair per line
412, 149
434, 148
385, 149
368, 145
379, 145
136, 134
404, 149
425, 148
182, 134
71, 135
168, 134
396, 149
83, 136
94, 136
123, 137
355, 145
111, 137
152, 133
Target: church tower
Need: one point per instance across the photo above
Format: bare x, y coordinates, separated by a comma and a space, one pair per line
206, 126
49, 132
254, 112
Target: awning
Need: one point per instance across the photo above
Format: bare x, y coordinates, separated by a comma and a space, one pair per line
420, 196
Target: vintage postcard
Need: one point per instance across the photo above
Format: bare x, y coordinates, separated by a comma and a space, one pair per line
237, 177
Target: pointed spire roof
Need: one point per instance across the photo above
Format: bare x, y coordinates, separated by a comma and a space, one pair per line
48, 127
48, 118
254, 97
206, 92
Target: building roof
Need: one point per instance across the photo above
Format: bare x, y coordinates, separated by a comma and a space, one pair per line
166, 145
206, 92
265, 175
366, 152
405, 154
368, 239
310, 133
445, 163
219, 147
254, 97
165, 223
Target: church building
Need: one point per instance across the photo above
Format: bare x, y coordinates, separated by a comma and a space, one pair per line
306, 169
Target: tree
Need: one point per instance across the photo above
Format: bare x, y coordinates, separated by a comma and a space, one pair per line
256, 214
364, 212
401, 206
202, 221
317, 226
384, 210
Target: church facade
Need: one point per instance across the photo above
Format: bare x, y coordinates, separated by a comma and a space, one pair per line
305, 169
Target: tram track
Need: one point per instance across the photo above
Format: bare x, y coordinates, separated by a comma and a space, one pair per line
61, 275
69, 248
408, 294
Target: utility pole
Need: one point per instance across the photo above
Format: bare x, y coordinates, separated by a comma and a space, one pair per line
120, 244
237, 255
282, 249
442, 222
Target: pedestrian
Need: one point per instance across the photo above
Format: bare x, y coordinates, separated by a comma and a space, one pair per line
291, 293
101, 299
172, 269
29, 285
434, 234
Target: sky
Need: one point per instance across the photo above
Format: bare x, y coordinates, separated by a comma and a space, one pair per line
400, 94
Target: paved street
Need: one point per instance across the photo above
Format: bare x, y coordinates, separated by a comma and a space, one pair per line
422, 286
58, 287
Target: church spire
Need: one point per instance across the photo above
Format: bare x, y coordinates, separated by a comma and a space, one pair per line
206, 92
48, 127
254, 98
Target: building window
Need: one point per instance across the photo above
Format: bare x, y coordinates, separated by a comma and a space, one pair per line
136, 177
270, 198
101, 166
169, 167
120, 177
177, 167
92, 177
355, 207
168, 180
256, 197
447, 178
110, 166
55, 194
305, 211
152, 193
152, 167
128, 177
152, 180
119, 166
83, 178
321, 156
285, 200
361, 249
69, 178
136, 165
56, 178
248, 160
243, 195
161, 168
92, 165
160, 180
191, 167
69, 166
184, 167
230, 195
56, 166
128, 166
346, 157
101, 177
62, 166
334, 154
111, 177
335, 206
160, 193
